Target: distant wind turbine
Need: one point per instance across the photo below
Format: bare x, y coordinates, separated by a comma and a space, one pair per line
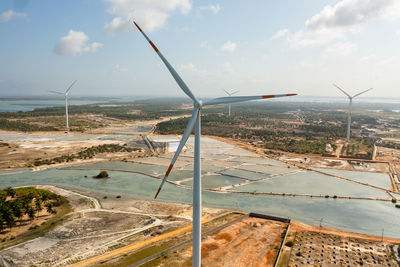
230, 94
66, 103
349, 112
195, 121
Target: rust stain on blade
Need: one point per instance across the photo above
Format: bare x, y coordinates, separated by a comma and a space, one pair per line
158, 191
169, 169
290, 94
268, 96
154, 47
138, 27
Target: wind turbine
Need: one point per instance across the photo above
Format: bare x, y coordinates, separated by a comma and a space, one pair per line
66, 103
349, 113
230, 94
195, 121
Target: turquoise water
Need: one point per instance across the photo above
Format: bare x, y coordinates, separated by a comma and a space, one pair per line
28, 105
363, 216
258, 161
312, 183
245, 174
215, 181
122, 166
378, 179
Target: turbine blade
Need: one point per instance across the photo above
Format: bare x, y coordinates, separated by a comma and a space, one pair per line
173, 72
55, 92
233, 99
71, 86
182, 143
342, 90
362, 92
226, 92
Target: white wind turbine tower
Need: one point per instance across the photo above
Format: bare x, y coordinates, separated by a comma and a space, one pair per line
230, 94
66, 103
195, 121
350, 104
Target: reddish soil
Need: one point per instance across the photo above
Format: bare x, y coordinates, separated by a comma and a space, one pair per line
249, 242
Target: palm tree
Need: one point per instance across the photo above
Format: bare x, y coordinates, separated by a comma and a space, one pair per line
38, 205
8, 215
16, 207
1, 223
49, 208
31, 213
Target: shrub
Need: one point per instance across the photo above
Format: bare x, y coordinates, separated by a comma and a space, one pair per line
394, 200
397, 206
289, 244
102, 174
118, 196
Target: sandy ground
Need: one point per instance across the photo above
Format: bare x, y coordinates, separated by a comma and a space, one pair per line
93, 228
249, 242
25, 148
384, 153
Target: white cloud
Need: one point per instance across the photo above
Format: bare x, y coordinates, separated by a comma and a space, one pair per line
118, 68
351, 12
213, 8
151, 15
340, 49
386, 61
398, 33
190, 68
117, 25
335, 22
280, 34
75, 43
229, 46
303, 38
10, 14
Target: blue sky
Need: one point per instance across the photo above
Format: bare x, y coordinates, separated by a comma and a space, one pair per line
256, 47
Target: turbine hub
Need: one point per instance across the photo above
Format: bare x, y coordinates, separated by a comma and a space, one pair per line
199, 104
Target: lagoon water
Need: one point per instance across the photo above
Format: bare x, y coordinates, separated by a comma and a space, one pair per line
365, 216
28, 105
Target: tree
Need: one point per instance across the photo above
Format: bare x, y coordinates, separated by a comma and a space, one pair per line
31, 213
8, 215
102, 174
49, 208
1, 223
11, 192
38, 205
16, 207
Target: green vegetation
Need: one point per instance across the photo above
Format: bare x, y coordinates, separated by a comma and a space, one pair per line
87, 153
397, 206
289, 244
394, 200
102, 174
280, 128
23, 126
15, 204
